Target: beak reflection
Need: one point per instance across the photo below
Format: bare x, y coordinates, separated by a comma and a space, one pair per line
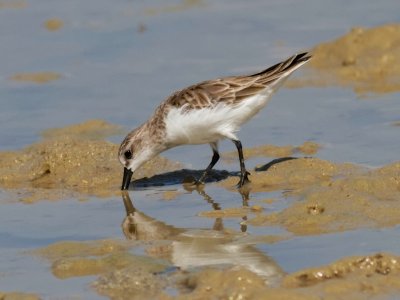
126, 180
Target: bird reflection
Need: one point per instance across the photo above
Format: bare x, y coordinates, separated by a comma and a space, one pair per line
201, 247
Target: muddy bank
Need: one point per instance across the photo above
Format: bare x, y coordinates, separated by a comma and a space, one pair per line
364, 277
70, 161
329, 197
365, 59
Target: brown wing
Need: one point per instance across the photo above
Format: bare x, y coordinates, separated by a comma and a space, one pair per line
233, 89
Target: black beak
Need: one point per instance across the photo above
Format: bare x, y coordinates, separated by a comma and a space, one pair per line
127, 179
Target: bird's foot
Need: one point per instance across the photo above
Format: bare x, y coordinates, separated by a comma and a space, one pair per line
199, 182
244, 179
190, 182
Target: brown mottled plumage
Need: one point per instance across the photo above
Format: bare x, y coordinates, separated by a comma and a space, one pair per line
205, 113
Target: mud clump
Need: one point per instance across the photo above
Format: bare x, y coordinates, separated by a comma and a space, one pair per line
38, 77
76, 259
91, 129
220, 284
292, 174
69, 249
70, 161
366, 59
53, 24
85, 266
122, 275
329, 197
364, 266
234, 283
351, 278
360, 277
18, 296
130, 283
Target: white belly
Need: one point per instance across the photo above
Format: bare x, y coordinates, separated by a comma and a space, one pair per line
201, 126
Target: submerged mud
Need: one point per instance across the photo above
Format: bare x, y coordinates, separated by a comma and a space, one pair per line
38, 77
76, 259
71, 161
365, 59
134, 282
329, 197
53, 24
13, 4
364, 277
18, 296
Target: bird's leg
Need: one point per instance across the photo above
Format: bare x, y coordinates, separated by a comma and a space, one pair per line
243, 172
214, 160
218, 224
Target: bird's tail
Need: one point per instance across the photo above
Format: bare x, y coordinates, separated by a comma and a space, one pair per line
280, 71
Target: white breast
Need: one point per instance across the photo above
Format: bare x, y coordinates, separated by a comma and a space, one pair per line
206, 125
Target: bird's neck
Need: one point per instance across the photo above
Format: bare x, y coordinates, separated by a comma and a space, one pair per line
153, 134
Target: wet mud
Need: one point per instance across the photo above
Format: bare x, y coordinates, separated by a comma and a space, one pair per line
364, 277
329, 197
37, 77
217, 262
74, 161
53, 24
214, 263
365, 59
131, 283
18, 296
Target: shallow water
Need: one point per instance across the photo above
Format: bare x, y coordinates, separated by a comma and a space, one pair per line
118, 60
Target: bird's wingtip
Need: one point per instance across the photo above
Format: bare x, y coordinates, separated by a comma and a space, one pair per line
303, 56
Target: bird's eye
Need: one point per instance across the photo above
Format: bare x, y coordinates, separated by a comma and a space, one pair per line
128, 154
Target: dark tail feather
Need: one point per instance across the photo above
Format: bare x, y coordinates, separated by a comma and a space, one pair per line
285, 65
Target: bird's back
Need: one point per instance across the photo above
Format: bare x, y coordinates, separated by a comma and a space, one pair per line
234, 89
215, 109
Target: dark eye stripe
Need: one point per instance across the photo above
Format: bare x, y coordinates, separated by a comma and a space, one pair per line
128, 154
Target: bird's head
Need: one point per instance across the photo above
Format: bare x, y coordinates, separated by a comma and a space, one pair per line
134, 151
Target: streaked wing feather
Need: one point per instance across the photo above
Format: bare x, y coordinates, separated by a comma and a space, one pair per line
233, 89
